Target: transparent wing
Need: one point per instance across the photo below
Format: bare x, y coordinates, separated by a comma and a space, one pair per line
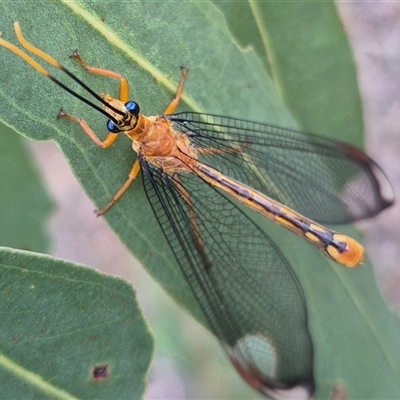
327, 181
246, 288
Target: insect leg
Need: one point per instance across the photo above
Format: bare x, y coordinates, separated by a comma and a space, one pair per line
132, 175
107, 142
174, 103
124, 87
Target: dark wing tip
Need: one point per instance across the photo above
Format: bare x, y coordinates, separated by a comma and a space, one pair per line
299, 387
384, 189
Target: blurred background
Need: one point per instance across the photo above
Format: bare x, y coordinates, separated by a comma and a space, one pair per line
374, 31
188, 361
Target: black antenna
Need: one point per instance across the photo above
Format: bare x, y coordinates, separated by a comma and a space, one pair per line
83, 99
88, 89
56, 64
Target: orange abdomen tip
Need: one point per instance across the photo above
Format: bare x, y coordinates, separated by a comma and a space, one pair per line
352, 256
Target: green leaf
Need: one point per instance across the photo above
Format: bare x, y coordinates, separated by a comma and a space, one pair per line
147, 42
68, 331
309, 56
22, 191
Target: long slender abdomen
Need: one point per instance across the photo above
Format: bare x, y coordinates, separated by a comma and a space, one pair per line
341, 248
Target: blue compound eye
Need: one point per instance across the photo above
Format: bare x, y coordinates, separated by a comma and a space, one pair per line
112, 127
132, 108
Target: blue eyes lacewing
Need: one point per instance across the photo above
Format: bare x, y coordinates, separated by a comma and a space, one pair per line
197, 171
